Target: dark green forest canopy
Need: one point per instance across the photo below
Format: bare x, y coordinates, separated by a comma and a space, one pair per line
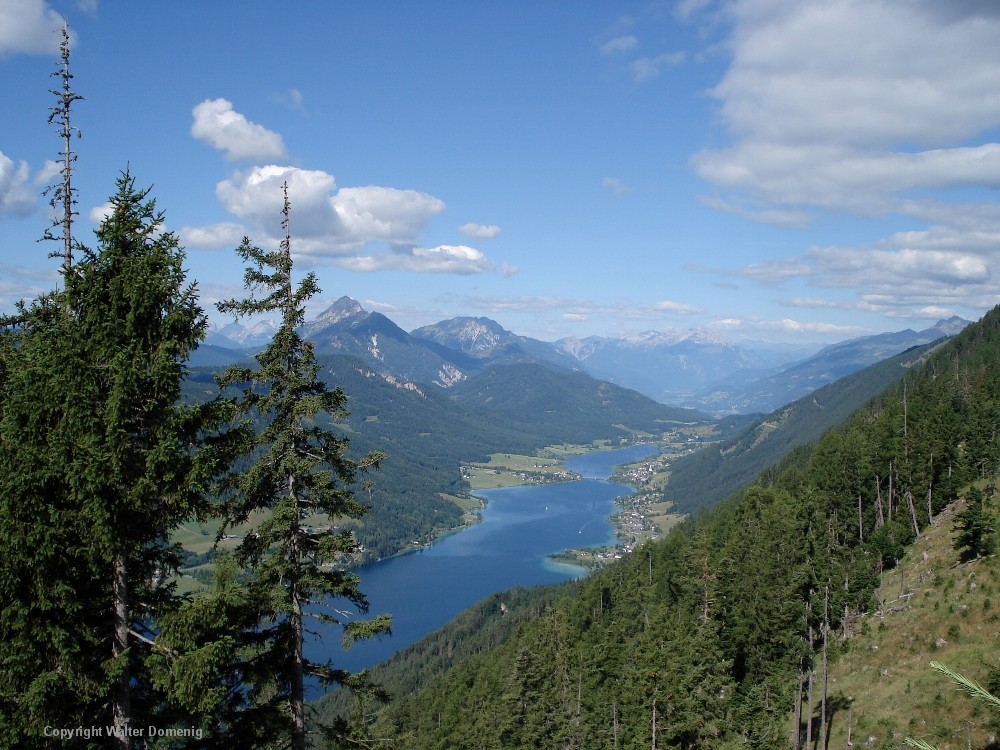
707, 634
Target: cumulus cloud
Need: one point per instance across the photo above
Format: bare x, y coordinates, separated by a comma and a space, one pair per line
30, 27
223, 128
479, 231
338, 223
224, 235
17, 198
326, 220
383, 214
99, 213
827, 109
906, 275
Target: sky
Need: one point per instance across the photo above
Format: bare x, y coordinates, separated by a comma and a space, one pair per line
794, 171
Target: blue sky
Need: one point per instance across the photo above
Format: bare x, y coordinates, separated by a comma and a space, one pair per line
783, 170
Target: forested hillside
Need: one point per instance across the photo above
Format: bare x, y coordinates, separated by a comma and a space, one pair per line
718, 634
701, 479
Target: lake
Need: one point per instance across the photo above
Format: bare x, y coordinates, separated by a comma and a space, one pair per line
520, 528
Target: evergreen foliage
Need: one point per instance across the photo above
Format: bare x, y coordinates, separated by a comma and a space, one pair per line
98, 462
296, 470
976, 532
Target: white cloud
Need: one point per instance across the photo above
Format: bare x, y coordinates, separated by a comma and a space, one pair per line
839, 266
847, 105
338, 223
458, 259
30, 27
383, 214
479, 231
225, 235
17, 198
841, 178
619, 44
223, 128
99, 213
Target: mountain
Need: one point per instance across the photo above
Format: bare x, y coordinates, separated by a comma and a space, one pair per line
347, 328
735, 394
488, 341
692, 368
669, 367
242, 335
555, 402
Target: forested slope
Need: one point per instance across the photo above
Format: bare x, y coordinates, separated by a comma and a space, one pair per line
706, 638
701, 479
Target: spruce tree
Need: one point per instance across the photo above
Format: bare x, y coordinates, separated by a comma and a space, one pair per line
98, 463
975, 526
299, 480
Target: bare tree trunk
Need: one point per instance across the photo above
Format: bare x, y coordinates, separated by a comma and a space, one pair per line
826, 633
861, 523
614, 724
880, 521
654, 724
121, 704
913, 514
297, 701
797, 722
890, 491
809, 708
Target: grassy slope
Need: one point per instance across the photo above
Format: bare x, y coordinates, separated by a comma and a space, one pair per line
949, 612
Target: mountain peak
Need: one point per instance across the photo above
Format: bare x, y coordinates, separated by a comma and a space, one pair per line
652, 339
950, 326
344, 309
466, 334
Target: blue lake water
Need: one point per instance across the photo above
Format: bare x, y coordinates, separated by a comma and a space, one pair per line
520, 528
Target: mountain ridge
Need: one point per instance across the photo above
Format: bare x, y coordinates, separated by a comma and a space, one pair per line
690, 368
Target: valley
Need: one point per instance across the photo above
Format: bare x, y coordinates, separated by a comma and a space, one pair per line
722, 596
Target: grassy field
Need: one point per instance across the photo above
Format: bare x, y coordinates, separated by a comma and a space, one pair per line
514, 470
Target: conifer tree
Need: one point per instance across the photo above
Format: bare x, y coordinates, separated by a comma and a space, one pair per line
300, 478
98, 463
975, 526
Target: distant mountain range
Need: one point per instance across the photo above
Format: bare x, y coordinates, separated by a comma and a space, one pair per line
691, 369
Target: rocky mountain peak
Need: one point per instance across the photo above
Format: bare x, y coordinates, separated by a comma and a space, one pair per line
344, 309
